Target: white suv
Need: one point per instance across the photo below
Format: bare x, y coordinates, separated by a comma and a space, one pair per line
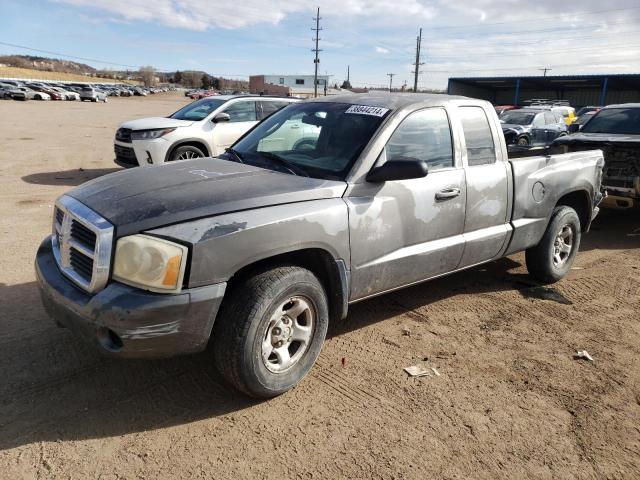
205, 128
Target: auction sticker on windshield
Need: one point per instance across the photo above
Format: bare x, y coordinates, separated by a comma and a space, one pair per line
364, 110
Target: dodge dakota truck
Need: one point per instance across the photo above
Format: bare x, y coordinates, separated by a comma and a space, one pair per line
254, 252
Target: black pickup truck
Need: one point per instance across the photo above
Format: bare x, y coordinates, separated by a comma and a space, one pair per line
616, 131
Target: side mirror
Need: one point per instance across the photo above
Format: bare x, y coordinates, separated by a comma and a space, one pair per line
221, 117
399, 168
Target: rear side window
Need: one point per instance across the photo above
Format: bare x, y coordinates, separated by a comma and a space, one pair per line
549, 119
424, 135
242, 111
477, 134
269, 107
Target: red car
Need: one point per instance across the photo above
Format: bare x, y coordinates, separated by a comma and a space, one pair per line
208, 93
52, 93
500, 109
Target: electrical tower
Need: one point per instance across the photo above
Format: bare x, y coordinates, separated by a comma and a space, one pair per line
390, 81
316, 61
417, 64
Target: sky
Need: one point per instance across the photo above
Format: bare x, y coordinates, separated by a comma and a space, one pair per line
236, 39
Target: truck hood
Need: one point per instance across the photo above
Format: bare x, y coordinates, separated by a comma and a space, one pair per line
155, 122
144, 198
598, 138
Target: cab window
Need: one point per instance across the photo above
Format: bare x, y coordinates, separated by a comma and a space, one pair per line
477, 134
244, 111
424, 135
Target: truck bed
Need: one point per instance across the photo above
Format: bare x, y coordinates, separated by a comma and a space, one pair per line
541, 181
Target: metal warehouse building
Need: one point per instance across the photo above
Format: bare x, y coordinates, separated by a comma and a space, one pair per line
577, 89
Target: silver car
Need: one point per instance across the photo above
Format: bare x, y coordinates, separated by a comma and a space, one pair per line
93, 95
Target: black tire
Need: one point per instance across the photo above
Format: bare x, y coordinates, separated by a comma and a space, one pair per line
523, 142
189, 151
543, 261
245, 322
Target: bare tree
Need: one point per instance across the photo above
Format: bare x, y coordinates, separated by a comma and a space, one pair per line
148, 76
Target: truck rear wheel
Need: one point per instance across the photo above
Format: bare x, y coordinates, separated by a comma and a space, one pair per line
270, 331
551, 259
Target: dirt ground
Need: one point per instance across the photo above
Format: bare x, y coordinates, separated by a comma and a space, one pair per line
510, 401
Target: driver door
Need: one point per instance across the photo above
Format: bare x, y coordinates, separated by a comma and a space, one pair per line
243, 116
406, 231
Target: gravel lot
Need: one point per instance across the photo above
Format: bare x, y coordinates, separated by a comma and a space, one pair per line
510, 401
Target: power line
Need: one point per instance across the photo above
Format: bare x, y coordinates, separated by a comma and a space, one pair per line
544, 52
68, 56
316, 61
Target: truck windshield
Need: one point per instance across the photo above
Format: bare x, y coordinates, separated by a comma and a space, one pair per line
622, 121
322, 139
517, 118
199, 110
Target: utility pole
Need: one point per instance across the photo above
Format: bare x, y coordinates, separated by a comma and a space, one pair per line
390, 81
316, 61
545, 70
416, 65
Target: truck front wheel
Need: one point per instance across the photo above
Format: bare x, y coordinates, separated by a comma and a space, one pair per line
270, 331
551, 259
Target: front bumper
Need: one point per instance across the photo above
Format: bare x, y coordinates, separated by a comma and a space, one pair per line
125, 321
141, 153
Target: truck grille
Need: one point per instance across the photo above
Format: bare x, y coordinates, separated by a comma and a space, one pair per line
82, 243
125, 156
123, 135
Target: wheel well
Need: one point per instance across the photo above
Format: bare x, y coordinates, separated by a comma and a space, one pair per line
579, 201
320, 262
192, 143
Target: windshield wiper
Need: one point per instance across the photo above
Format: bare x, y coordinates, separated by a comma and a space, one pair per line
293, 168
234, 154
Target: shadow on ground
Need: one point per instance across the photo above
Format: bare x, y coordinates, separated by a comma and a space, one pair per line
58, 387
613, 229
69, 178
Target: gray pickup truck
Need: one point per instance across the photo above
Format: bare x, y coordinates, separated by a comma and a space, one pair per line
323, 204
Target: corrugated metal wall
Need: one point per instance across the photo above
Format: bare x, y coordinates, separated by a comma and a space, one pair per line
617, 92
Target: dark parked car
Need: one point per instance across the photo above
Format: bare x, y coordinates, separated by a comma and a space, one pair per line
616, 131
531, 127
587, 109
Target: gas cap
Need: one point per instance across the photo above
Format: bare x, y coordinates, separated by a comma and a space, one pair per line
538, 192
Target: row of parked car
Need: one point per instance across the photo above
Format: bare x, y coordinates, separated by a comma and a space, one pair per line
19, 90
539, 123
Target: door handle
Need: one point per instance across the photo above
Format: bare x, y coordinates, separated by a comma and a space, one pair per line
447, 193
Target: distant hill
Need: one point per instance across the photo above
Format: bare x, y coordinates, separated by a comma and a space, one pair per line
46, 64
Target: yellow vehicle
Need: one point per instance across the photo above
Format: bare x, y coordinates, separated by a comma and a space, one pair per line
568, 113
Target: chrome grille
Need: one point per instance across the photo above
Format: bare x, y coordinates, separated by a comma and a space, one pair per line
82, 243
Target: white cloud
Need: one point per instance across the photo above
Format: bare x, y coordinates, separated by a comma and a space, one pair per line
200, 15
382, 50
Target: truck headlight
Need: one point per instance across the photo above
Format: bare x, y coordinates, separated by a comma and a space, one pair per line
150, 134
150, 263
